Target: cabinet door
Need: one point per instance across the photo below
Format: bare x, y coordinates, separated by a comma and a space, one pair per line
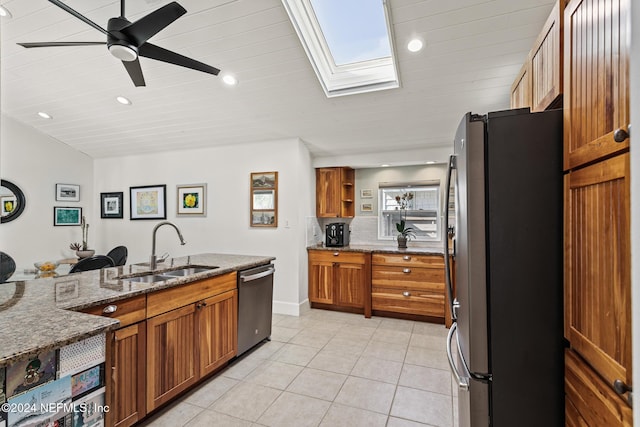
596, 85
546, 62
321, 282
521, 88
171, 355
328, 192
598, 262
128, 375
217, 330
349, 285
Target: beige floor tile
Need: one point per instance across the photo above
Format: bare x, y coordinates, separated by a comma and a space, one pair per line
399, 422
428, 379
386, 351
346, 416
212, 418
266, 350
247, 401
319, 384
295, 354
283, 334
425, 328
434, 342
276, 318
396, 324
334, 361
294, 410
296, 322
241, 368
372, 368
360, 320
423, 406
210, 391
178, 414
274, 374
312, 338
354, 331
326, 326
391, 336
366, 394
427, 357
349, 345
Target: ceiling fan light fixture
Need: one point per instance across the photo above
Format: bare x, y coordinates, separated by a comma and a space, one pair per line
123, 100
123, 52
4, 12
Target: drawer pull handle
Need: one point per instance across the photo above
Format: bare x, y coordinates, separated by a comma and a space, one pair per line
336, 253
110, 309
406, 294
406, 258
620, 135
406, 270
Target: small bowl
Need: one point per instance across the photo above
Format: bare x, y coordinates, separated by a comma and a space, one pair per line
46, 266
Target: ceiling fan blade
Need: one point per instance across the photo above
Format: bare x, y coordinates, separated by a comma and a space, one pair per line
78, 15
57, 44
146, 27
135, 72
152, 51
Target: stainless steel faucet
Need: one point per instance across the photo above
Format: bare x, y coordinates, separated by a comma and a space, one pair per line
152, 260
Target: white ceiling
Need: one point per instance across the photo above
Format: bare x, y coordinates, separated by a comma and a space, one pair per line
474, 48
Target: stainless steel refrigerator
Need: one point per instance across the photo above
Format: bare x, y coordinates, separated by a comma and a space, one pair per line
506, 346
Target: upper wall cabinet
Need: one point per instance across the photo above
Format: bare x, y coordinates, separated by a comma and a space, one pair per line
596, 80
539, 82
335, 192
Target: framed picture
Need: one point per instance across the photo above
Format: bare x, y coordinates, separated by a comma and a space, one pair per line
66, 216
148, 202
366, 207
366, 193
67, 193
87, 381
192, 200
111, 205
264, 199
8, 205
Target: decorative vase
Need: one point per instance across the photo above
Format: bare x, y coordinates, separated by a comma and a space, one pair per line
402, 242
85, 254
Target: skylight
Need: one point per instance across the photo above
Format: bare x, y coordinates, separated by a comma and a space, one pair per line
349, 43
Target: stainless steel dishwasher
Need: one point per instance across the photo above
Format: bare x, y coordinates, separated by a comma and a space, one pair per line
255, 300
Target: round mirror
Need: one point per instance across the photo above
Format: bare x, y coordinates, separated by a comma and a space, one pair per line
11, 201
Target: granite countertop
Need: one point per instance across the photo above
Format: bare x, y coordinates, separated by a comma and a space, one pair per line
42, 314
382, 248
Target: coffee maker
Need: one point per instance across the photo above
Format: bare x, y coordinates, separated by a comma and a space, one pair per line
337, 234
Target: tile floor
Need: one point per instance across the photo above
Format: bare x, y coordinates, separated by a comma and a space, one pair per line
327, 368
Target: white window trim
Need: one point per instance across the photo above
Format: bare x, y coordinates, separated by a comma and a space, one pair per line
340, 80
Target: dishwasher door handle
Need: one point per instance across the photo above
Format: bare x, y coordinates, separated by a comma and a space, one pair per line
257, 276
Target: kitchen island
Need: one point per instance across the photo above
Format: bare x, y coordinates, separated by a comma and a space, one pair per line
197, 310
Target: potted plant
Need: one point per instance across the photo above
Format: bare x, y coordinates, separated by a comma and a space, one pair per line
406, 233
82, 250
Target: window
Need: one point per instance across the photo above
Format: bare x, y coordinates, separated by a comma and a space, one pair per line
349, 44
422, 211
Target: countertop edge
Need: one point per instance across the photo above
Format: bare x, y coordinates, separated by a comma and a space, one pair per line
379, 249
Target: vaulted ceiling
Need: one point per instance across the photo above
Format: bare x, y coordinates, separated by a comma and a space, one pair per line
473, 50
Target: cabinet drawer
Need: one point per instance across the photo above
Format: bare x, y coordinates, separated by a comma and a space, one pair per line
409, 260
179, 296
410, 301
338, 256
128, 311
426, 279
593, 399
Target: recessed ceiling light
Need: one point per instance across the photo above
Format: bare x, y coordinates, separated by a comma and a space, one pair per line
122, 100
4, 12
44, 115
430, 162
230, 80
415, 45
384, 166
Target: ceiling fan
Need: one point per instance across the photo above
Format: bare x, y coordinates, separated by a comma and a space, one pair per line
127, 41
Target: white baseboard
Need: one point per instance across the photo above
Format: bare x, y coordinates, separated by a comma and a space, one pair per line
290, 308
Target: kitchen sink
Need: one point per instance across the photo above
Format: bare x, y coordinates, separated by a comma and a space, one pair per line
149, 278
187, 271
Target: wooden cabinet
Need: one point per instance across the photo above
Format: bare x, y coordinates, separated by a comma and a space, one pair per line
597, 212
194, 338
335, 192
341, 280
596, 73
408, 284
539, 82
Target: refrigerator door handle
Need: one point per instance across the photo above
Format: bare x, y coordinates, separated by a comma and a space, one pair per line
447, 262
463, 383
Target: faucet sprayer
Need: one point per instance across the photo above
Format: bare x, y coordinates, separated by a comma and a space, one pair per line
152, 259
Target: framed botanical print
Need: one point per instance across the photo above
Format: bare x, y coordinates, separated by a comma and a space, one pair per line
264, 199
148, 202
111, 205
192, 200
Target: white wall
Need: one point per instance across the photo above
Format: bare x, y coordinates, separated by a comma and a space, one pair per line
226, 228
35, 163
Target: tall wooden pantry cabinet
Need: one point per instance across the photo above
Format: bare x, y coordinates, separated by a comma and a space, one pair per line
597, 242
